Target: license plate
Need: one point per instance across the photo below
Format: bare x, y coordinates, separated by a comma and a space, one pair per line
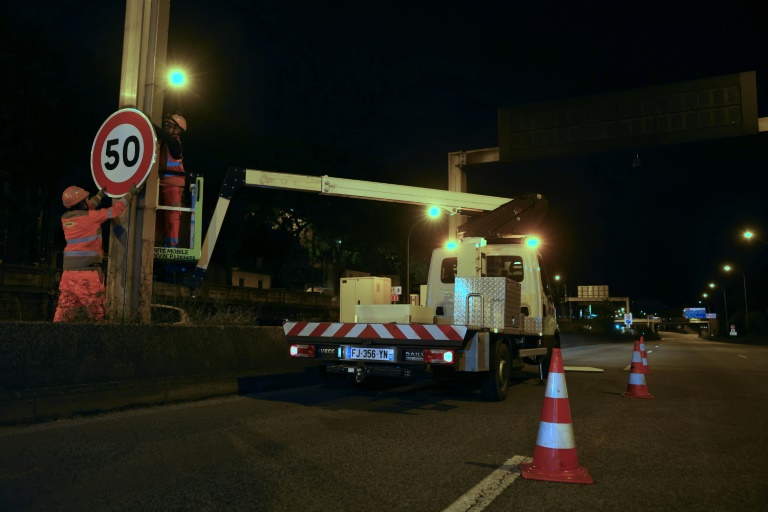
370, 354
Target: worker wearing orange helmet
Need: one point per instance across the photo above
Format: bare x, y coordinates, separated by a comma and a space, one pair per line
172, 174
82, 282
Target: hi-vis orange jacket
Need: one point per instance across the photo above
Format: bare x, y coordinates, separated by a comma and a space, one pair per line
171, 168
82, 230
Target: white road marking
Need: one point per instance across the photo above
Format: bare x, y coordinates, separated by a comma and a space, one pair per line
628, 367
481, 495
582, 369
745, 357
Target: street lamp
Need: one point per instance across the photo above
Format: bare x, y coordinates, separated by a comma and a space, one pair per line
432, 213
725, 301
565, 288
177, 78
749, 235
728, 268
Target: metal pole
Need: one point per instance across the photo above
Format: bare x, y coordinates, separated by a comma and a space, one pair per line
408, 261
746, 308
725, 301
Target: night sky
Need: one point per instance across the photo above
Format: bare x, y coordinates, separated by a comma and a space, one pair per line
396, 86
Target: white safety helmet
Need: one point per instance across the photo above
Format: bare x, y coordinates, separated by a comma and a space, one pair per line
178, 120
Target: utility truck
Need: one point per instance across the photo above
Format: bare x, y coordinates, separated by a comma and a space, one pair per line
488, 307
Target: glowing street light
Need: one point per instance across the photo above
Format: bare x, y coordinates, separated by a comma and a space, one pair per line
177, 78
707, 302
750, 236
432, 213
565, 288
728, 268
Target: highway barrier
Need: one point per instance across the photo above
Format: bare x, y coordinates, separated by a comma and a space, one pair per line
50, 371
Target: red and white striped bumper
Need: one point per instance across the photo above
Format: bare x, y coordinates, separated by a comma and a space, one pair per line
339, 332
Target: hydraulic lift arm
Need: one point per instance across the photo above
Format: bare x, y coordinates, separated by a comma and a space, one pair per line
452, 202
520, 216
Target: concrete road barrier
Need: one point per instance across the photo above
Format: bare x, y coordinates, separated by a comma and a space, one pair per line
50, 371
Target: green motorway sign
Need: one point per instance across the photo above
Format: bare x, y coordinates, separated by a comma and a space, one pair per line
718, 107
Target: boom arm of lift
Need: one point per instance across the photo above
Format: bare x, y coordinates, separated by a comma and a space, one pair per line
520, 216
452, 202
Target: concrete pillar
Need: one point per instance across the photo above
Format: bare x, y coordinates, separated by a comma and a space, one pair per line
132, 238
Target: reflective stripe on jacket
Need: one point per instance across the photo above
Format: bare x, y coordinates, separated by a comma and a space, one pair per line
171, 169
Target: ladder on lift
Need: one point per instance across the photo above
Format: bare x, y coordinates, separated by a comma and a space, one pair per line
190, 253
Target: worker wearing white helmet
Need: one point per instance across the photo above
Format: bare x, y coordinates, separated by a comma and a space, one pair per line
172, 174
82, 281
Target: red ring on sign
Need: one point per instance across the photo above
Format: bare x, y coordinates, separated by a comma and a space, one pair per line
136, 119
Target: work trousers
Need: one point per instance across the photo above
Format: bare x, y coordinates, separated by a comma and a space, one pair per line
171, 219
81, 293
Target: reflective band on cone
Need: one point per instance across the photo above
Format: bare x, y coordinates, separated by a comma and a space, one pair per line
644, 357
554, 458
636, 388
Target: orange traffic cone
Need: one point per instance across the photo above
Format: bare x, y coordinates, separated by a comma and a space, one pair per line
554, 458
644, 357
636, 387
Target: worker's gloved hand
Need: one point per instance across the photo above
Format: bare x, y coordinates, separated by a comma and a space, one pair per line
134, 190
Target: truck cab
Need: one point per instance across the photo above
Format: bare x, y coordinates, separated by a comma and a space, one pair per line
517, 258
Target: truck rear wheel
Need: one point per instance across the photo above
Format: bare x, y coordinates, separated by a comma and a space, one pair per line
495, 385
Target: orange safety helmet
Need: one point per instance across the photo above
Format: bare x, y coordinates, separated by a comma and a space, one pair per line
72, 196
178, 119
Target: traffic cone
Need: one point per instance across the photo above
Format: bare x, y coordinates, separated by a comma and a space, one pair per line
644, 357
554, 458
636, 387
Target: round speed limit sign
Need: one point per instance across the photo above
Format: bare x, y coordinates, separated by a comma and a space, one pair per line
123, 152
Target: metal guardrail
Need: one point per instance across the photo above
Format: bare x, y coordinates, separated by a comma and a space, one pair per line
238, 294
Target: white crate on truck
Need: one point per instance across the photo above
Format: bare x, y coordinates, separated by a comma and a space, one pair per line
362, 290
397, 313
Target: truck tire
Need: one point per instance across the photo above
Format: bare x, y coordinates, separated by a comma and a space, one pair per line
495, 385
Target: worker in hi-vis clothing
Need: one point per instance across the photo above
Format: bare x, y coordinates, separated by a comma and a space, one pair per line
172, 175
82, 282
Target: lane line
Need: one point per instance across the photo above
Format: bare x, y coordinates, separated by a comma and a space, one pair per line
745, 357
481, 495
591, 369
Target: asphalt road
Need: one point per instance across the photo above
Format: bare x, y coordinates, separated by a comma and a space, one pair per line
699, 445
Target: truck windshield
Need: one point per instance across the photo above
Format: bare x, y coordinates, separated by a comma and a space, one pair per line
498, 266
506, 266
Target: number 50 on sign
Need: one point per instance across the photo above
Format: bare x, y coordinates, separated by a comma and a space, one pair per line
123, 152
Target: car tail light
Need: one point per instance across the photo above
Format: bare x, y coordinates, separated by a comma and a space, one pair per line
302, 351
438, 356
